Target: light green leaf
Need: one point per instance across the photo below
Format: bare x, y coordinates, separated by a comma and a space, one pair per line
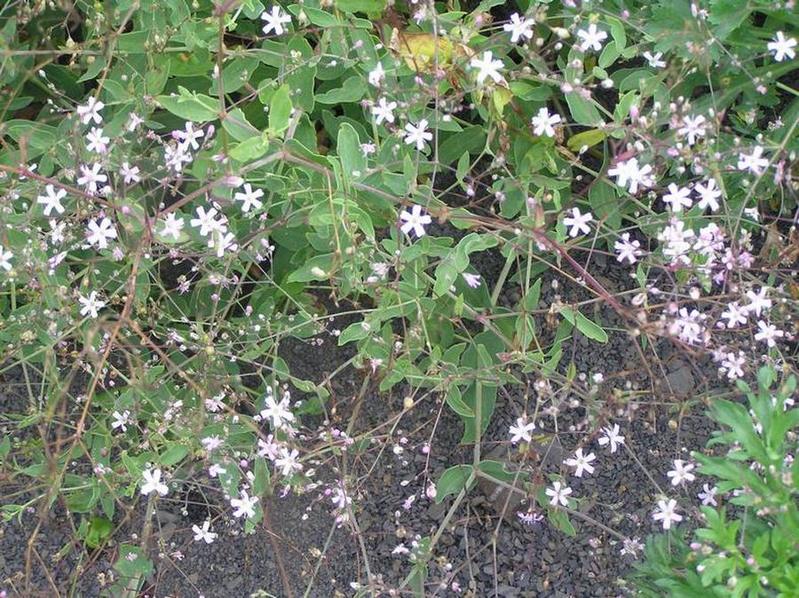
192, 106
280, 110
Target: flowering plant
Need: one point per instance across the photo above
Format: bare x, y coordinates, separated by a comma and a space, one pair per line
198, 199
745, 543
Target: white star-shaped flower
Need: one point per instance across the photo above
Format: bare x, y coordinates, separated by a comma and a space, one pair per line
417, 134
153, 483
384, 111
275, 19
91, 111
90, 305
591, 38
678, 198
782, 47
249, 198
52, 201
519, 27
709, 195
578, 223
543, 122
414, 220
100, 233
487, 67
244, 505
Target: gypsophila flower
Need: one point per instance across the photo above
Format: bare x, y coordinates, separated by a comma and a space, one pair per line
611, 437
206, 221
782, 47
287, 462
692, 128
487, 67
754, 162
52, 201
522, 430
734, 314
543, 122
189, 136
249, 198
768, 333
121, 420
758, 302
153, 483
708, 495
172, 225
418, 134
211, 443
591, 38
414, 220
100, 234
5, 257
91, 111
384, 111
709, 194
578, 223
558, 494
627, 250
278, 413
130, 174
677, 198
204, 533
630, 173
472, 280
275, 19
97, 142
90, 305
377, 75
733, 364
632, 546
244, 505
519, 27
90, 177
666, 513
654, 60
581, 462
681, 472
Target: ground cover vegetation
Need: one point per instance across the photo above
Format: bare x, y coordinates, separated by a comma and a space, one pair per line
197, 196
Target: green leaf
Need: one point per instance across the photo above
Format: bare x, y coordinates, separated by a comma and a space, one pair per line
586, 139
133, 562
560, 520
352, 90
99, 531
250, 149
367, 6
317, 17
236, 123
455, 401
457, 260
173, 455
349, 151
583, 111
190, 105
280, 110
452, 481
584, 325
